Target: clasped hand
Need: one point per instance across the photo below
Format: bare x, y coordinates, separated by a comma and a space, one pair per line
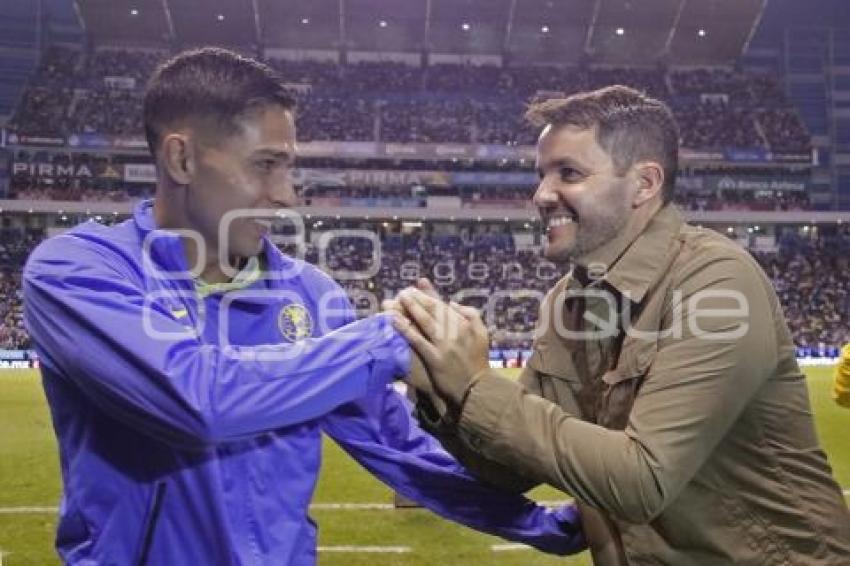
451, 340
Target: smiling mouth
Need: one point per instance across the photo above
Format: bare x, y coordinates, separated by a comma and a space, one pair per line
558, 220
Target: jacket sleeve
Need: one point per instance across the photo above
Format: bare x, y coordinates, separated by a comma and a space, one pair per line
379, 433
436, 419
698, 385
841, 389
87, 319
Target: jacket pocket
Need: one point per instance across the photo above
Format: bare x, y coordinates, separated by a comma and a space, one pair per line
636, 357
73, 536
621, 384
151, 520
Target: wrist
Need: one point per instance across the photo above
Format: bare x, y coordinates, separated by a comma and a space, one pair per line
392, 358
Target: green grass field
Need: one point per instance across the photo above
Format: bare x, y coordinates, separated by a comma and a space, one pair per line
29, 477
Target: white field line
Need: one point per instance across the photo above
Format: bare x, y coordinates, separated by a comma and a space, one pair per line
509, 547
44, 510
367, 549
351, 506
37, 510
28, 510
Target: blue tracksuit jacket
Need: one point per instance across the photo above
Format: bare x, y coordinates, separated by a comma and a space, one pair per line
190, 428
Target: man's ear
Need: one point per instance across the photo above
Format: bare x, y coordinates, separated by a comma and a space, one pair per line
650, 176
178, 158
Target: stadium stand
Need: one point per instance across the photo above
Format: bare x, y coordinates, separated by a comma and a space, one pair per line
75, 93
811, 276
14, 248
393, 102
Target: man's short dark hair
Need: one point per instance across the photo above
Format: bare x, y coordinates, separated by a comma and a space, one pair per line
212, 85
630, 127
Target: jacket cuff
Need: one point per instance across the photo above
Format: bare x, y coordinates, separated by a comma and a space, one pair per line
482, 410
569, 519
442, 418
437, 419
391, 360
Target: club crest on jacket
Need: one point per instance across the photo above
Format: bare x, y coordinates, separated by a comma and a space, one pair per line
295, 323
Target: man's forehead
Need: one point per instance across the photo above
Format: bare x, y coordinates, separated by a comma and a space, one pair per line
271, 120
568, 143
553, 133
269, 132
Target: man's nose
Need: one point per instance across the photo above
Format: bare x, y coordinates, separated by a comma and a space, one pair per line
283, 194
544, 195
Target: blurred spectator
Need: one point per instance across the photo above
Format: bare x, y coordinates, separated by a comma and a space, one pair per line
717, 125
784, 130
697, 82
44, 111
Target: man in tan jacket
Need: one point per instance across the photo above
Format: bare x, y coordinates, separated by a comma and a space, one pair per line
663, 392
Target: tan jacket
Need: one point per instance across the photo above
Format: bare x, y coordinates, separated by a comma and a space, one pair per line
718, 462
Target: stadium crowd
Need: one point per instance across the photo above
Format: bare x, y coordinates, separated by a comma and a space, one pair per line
812, 280
14, 248
13, 336
100, 93
718, 109
811, 276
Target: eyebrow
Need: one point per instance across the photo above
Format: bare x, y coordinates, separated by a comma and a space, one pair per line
559, 163
276, 154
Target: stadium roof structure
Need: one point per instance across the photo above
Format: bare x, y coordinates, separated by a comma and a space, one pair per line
633, 32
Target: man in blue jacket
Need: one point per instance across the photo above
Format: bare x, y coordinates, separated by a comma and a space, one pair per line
191, 367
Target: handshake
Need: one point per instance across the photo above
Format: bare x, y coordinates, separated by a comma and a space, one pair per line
450, 354
450, 343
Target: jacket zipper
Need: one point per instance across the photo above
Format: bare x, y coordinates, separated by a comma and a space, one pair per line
150, 526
